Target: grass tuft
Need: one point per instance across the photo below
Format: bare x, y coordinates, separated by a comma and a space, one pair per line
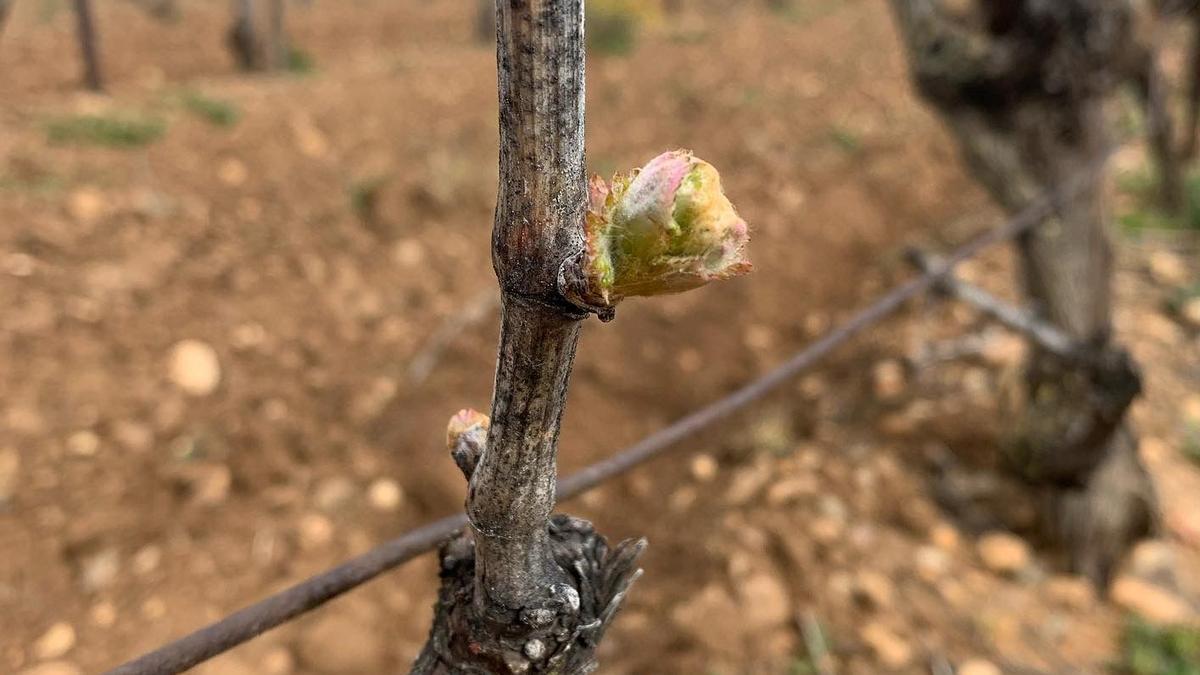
215, 111
1150, 650
364, 196
613, 25
846, 140
300, 62
113, 131
1144, 213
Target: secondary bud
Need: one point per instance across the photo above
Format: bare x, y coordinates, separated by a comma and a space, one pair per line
665, 228
466, 437
464, 421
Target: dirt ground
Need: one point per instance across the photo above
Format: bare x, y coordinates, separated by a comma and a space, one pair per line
207, 349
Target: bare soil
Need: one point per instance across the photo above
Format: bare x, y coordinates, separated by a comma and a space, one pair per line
134, 509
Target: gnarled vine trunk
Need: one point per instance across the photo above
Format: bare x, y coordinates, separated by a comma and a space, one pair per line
1022, 84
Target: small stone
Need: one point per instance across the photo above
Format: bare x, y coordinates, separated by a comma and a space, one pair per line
745, 484
875, 589
385, 495
892, 650
103, 614
194, 367
248, 336
208, 483
931, 563
682, 499
18, 264
55, 642
832, 507
772, 433
309, 139
408, 252
1004, 553
371, 401
945, 536
87, 205
278, 661
791, 489
99, 570
1071, 591
1153, 449
1004, 351
333, 493
758, 337
1167, 268
1153, 603
826, 530
315, 531
711, 618
53, 668
1160, 328
689, 360
337, 644
888, 379
704, 467
979, 667
765, 601
154, 608
535, 649
1190, 312
1191, 409
133, 436
146, 560
83, 443
10, 466
1153, 559
275, 410
232, 172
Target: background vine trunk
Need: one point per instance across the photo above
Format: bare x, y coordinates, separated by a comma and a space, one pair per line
1022, 85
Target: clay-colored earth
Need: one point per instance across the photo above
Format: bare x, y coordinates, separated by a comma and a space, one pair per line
207, 348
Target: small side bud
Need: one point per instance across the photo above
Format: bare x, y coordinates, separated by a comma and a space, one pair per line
665, 228
466, 437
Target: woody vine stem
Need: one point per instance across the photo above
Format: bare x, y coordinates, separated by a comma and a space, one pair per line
523, 591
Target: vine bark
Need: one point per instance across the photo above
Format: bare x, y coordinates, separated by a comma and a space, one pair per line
86, 27
524, 592
1022, 84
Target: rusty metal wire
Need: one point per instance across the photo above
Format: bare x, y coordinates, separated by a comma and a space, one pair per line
247, 623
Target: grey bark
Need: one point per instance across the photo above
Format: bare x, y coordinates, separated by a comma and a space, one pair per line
5, 7
1192, 124
1153, 90
1021, 83
521, 591
254, 48
86, 28
243, 37
277, 47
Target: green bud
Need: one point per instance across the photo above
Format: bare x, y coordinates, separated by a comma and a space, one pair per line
664, 228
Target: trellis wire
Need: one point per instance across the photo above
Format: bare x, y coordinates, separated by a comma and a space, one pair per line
247, 623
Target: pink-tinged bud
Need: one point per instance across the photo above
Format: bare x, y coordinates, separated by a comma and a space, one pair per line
664, 228
465, 421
